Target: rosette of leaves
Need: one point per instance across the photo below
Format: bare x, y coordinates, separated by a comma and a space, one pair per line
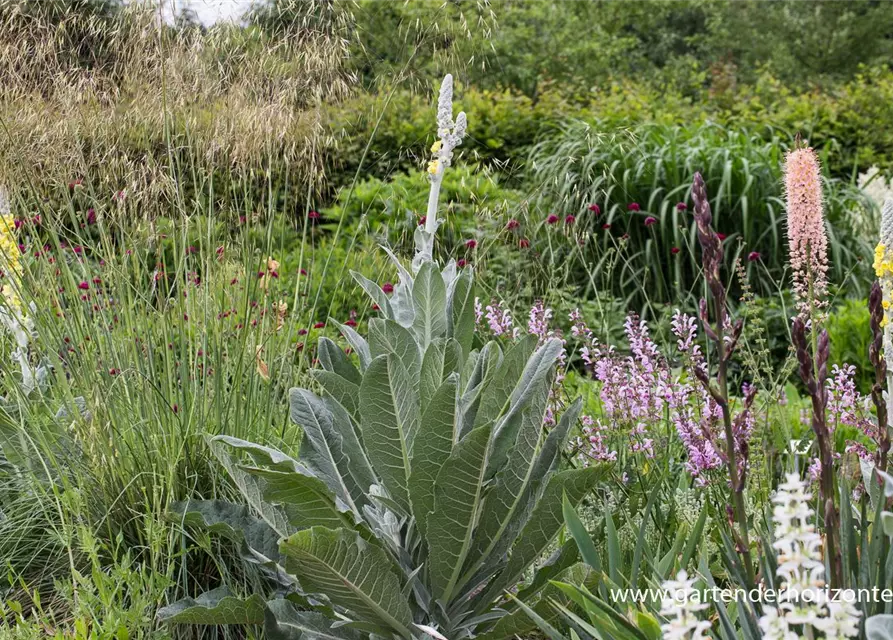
425, 487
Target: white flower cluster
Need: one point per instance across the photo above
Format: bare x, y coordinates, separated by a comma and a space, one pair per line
680, 602
802, 599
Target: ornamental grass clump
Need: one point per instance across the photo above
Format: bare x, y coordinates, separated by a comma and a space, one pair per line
425, 486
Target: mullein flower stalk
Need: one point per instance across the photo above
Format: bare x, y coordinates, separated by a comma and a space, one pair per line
876, 356
883, 268
724, 334
450, 134
814, 373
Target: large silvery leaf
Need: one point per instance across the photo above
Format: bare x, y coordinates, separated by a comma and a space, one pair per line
879, 627
390, 418
375, 292
305, 500
429, 302
486, 366
284, 621
335, 361
458, 496
431, 449
231, 521
342, 391
215, 607
250, 487
460, 312
507, 501
442, 358
322, 447
387, 337
497, 396
357, 342
546, 520
352, 574
401, 301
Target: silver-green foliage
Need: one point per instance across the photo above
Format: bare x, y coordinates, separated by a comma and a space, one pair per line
425, 487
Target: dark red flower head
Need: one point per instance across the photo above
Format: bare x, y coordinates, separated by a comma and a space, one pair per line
387, 287
681, 207
754, 256
471, 243
606, 226
512, 224
552, 219
721, 236
523, 243
569, 219
461, 263
313, 215
650, 220
594, 208
84, 285
633, 206
423, 220
674, 250
319, 325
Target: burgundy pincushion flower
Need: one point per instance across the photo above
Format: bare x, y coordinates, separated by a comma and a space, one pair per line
721, 236
319, 325
523, 243
753, 256
633, 206
423, 220
569, 220
84, 285
512, 224
552, 219
17, 223
625, 236
674, 250
594, 208
606, 226
387, 287
313, 215
375, 307
681, 207
351, 323
113, 371
650, 220
461, 263
471, 243
91, 216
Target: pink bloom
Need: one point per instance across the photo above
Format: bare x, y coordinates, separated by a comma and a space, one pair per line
461, 263
523, 243
512, 224
423, 220
471, 243
552, 219
569, 220
594, 208
319, 325
650, 220
387, 287
313, 215
681, 207
807, 241
91, 216
351, 323
633, 206
84, 285
753, 256
674, 250
113, 371
606, 226
17, 223
721, 236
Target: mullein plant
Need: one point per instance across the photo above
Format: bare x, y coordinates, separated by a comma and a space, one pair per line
724, 334
808, 255
14, 315
426, 483
881, 307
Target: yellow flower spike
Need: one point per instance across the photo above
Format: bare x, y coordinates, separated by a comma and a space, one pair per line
433, 166
436, 146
